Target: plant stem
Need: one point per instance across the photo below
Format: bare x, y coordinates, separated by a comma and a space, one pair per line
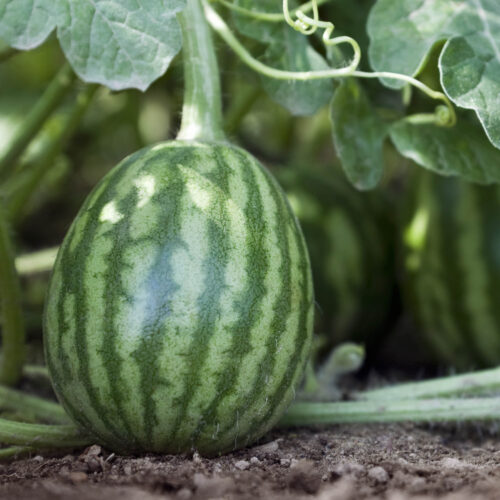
226, 34
240, 106
480, 382
202, 108
269, 16
419, 410
40, 408
33, 371
13, 339
22, 185
36, 118
15, 452
222, 29
37, 262
40, 435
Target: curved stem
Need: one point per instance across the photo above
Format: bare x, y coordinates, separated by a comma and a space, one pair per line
40, 435
270, 17
36, 118
39, 408
240, 106
419, 410
37, 262
13, 333
481, 382
218, 24
20, 188
433, 94
226, 34
202, 107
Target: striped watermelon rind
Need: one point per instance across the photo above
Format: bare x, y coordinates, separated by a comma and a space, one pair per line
451, 240
349, 237
180, 309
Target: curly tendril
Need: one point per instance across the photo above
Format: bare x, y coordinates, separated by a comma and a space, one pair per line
444, 115
306, 27
309, 25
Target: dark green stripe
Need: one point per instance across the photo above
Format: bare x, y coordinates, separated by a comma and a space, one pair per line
250, 300
281, 307
72, 269
214, 267
298, 359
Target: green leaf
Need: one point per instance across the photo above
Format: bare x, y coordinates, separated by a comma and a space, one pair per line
358, 135
470, 75
292, 52
470, 59
255, 28
403, 32
25, 24
461, 150
121, 44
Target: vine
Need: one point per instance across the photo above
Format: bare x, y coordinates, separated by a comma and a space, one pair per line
444, 114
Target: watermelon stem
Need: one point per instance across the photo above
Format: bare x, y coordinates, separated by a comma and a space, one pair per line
41, 409
20, 187
41, 435
11, 315
419, 410
52, 97
202, 107
472, 383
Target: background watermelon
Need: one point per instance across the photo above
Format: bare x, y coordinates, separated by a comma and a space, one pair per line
451, 240
350, 239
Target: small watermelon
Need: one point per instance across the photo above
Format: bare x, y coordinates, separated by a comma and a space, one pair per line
180, 309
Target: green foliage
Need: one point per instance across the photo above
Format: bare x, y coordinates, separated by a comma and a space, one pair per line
462, 150
470, 59
358, 135
291, 51
118, 44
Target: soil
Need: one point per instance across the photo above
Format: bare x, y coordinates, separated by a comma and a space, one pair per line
393, 462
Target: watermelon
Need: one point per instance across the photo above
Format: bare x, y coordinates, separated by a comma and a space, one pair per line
180, 309
350, 240
451, 240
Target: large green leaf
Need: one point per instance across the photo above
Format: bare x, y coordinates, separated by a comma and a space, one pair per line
461, 150
358, 135
127, 43
402, 33
120, 44
25, 24
292, 52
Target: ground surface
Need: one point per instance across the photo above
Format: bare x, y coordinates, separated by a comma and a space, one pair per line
393, 462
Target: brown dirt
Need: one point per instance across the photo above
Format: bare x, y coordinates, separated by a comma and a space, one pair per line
393, 462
